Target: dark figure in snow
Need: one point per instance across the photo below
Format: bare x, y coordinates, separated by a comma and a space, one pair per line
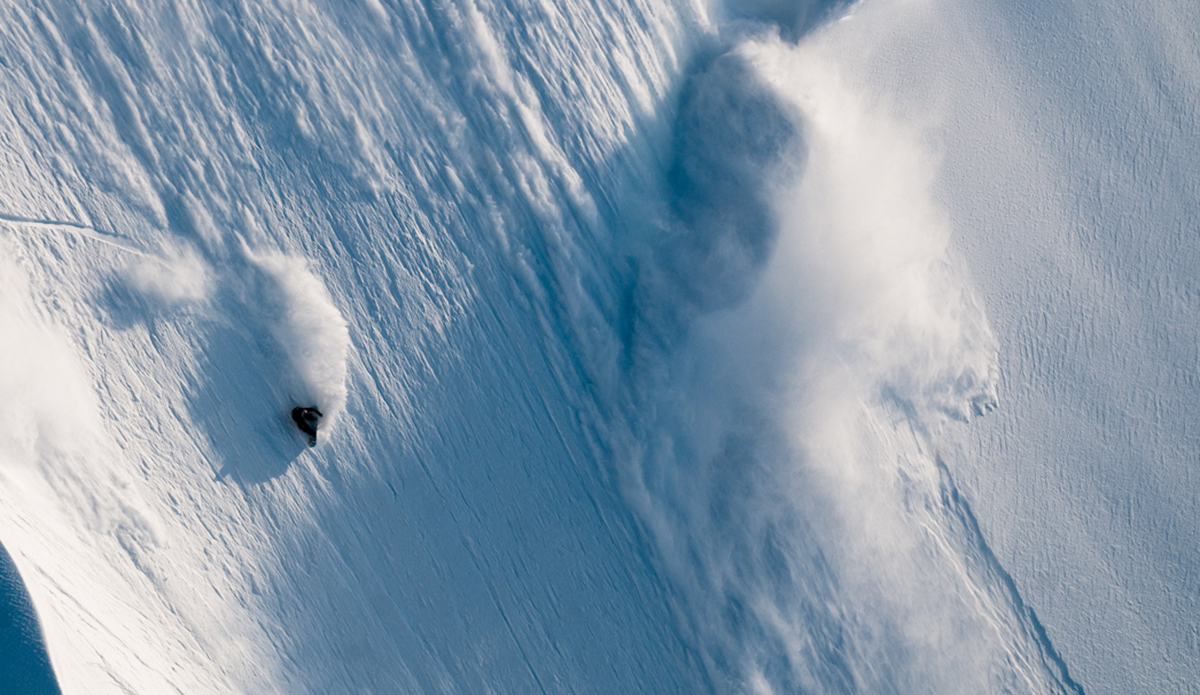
307, 420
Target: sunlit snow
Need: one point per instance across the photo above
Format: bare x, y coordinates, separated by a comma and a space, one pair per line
744, 346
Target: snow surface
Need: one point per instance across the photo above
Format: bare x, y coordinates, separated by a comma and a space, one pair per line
654, 339
1072, 182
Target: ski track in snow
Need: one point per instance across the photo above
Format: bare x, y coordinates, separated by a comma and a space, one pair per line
75, 228
646, 348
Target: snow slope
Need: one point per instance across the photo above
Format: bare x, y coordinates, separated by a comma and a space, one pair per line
648, 334
1070, 171
183, 181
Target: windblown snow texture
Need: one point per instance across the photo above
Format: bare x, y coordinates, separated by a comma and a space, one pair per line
654, 340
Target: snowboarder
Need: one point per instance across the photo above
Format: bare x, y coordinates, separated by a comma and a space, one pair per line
307, 419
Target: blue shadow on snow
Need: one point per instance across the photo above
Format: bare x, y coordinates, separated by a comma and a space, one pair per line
24, 663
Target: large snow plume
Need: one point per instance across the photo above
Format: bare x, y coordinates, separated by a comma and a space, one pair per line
799, 335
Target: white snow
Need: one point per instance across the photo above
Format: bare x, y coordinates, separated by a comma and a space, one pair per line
1068, 144
655, 343
311, 332
180, 277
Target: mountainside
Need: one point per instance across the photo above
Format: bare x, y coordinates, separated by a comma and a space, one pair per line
759, 347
